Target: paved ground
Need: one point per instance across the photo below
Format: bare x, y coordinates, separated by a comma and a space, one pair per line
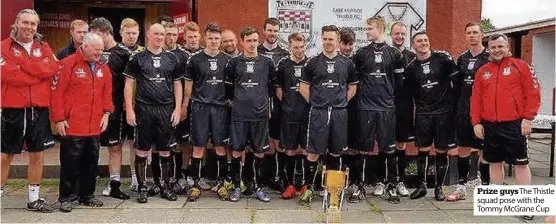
249, 210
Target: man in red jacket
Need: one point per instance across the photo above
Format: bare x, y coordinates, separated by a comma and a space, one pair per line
28, 65
504, 101
81, 105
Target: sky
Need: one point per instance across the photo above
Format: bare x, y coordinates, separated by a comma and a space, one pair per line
503, 13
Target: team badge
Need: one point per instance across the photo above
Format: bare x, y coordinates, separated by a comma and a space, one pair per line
330, 68
471, 64
507, 71
487, 75
378, 57
295, 16
99, 73
250, 68
37, 52
297, 71
80, 73
426, 69
213, 65
17, 52
156, 62
105, 57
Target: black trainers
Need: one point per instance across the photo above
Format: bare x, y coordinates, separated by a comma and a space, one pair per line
154, 190
392, 194
92, 202
420, 192
168, 195
143, 196
40, 206
439, 194
66, 206
115, 190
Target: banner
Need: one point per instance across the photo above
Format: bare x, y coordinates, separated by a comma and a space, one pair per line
309, 16
180, 21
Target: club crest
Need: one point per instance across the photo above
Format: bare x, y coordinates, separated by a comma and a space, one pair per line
37, 52
378, 57
17, 53
80, 73
471, 64
213, 65
99, 73
105, 57
487, 75
250, 67
507, 71
156, 62
295, 16
330, 68
297, 71
426, 69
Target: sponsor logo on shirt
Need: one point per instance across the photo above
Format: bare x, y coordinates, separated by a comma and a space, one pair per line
157, 78
429, 84
214, 81
378, 74
249, 84
330, 84
295, 88
469, 80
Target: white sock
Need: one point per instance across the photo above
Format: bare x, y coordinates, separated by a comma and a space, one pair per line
115, 176
34, 192
133, 177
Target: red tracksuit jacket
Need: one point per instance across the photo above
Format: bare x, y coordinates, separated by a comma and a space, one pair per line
81, 96
26, 78
505, 91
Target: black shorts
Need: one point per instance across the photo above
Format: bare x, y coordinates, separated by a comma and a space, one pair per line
437, 128
29, 126
254, 133
504, 142
274, 123
154, 127
465, 136
183, 130
405, 128
352, 125
327, 133
208, 121
293, 136
118, 129
379, 126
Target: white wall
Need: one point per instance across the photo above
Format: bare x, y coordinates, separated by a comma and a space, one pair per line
543, 62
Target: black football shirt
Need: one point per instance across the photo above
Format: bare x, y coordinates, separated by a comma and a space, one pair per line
294, 107
207, 74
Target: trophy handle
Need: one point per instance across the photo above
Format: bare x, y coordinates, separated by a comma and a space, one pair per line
347, 178
323, 176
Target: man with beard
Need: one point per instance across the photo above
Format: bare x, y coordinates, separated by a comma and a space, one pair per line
78, 29
404, 108
28, 66
293, 136
380, 69
229, 43
157, 109
116, 56
270, 48
328, 83
209, 108
170, 44
468, 63
249, 76
430, 79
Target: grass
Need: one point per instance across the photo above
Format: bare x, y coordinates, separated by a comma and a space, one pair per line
252, 214
374, 208
19, 183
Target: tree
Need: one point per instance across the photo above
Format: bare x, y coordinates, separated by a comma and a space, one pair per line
487, 25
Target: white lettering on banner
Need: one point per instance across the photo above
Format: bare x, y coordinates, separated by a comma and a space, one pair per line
516, 200
309, 16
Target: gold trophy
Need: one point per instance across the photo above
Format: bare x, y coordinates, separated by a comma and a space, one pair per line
334, 183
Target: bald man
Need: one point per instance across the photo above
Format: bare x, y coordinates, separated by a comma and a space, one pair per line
229, 43
157, 107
